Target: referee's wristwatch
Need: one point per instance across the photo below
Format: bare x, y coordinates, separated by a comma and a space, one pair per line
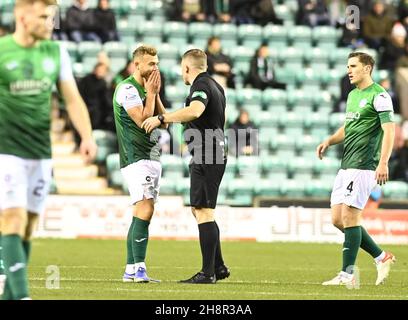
161, 118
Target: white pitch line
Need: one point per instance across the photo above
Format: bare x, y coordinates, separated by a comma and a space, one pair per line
263, 293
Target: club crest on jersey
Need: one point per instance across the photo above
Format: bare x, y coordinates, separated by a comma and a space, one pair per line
362, 103
48, 65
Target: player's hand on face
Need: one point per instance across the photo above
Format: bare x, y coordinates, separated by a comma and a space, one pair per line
150, 124
381, 173
152, 84
88, 150
321, 149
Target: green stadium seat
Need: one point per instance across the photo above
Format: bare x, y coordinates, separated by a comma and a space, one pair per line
300, 37
250, 35
199, 32
395, 190
274, 99
318, 59
270, 119
156, 11
176, 95
287, 74
249, 167
231, 113
275, 36
307, 142
326, 166
117, 64
249, 99
284, 12
7, 18
283, 146
150, 32
172, 165
338, 58
379, 75
336, 120
300, 101
176, 33
183, 187
309, 80
231, 167
267, 188
89, 62
115, 179
291, 57
293, 188
292, 123
323, 102
113, 162
300, 169
241, 57
318, 189
116, 49
168, 186
325, 37
240, 193
272, 164
228, 33
106, 142
89, 49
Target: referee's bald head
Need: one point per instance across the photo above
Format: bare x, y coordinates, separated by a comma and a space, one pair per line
196, 59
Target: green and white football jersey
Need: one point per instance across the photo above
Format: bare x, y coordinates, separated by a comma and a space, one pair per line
134, 143
27, 77
365, 112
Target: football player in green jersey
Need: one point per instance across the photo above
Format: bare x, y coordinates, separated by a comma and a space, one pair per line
30, 65
368, 137
136, 99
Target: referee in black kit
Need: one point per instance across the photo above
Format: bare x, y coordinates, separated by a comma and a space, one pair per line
204, 116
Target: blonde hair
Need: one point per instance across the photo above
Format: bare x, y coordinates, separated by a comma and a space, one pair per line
197, 58
144, 49
20, 3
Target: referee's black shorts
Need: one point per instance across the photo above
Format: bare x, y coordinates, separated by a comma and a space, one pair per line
205, 181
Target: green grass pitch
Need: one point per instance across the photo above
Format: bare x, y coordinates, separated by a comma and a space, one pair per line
92, 269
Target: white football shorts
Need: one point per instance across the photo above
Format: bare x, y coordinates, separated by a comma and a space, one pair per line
353, 187
24, 183
143, 180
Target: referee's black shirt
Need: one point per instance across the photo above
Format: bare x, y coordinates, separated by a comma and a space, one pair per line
210, 147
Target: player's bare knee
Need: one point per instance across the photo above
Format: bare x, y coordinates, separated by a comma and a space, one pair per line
144, 209
14, 221
338, 223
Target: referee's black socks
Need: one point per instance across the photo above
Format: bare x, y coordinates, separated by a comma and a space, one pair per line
208, 232
218, 255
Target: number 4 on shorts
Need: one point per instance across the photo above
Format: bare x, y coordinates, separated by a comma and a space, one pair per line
350, 187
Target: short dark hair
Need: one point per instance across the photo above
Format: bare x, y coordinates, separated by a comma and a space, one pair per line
364, 58
144, 49
30, 2
212, 39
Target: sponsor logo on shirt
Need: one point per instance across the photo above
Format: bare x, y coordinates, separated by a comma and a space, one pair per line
351, 116
362, 103
48, 65
200, 94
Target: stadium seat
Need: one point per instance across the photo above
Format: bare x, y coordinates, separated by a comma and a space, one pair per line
269, 119
175, 33
168, 186
338, 58
326, 166
300, 101
291, 57
249, 99
309, 80
292, 123
300, 169
240, 193
272, 164
284, 12
106, 142
183, 187
300, 37
113, 169
228, 33
323, 102
72, 49
283, 146
325, 37
250, 35
116, 49
172, 166
275, 36
287, 75
267, 188
150, 32
336, 120
176, 96
395, 190
274, 100
293, 188
249, 167
307, 142
89, 49
155, 11
241, 57
117, 64
199, 32
318, 188
318, 59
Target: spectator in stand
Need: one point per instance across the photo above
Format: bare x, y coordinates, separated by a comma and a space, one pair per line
394, 47
261, 73
243, 136
187, 11
386, 84
377, 26
351, 37
106, 22
363, 5
401, 82
80, 22
219, 64
399, 156
94, 91
60, 28
263, 13
240, 11
126, 72
312, 13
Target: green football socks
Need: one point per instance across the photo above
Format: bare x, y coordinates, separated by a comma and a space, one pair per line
352, 242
